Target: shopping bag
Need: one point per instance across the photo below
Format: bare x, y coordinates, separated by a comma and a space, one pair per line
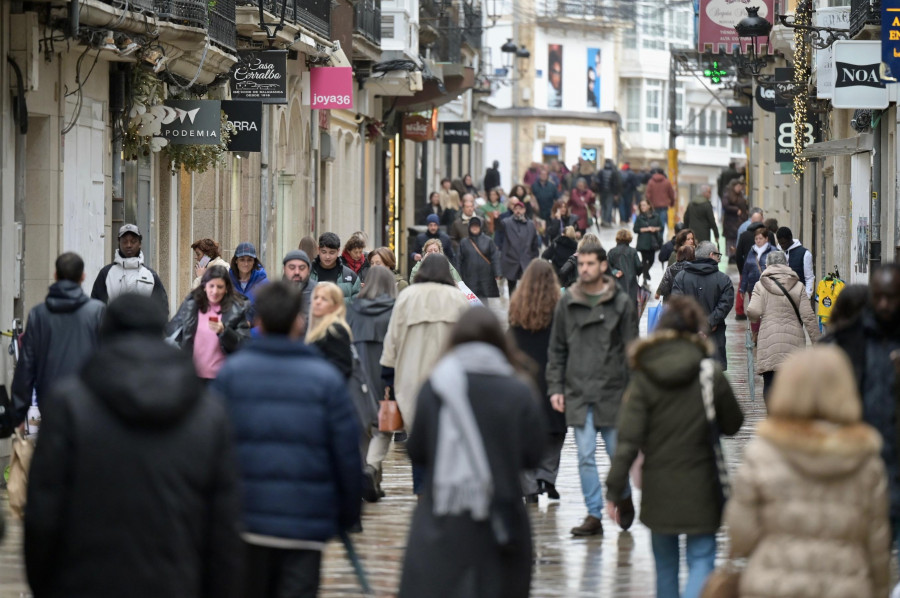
473, 299
642, 299
19, 464
653, 314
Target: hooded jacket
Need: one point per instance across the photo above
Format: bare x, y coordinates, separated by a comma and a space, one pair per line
586, 359
663, 416
809, 510
780, 332
478, 273
369, 319
258, 278
348, 281
713, 289
61, 334
660, 192
699, 217
129, 275
132, 490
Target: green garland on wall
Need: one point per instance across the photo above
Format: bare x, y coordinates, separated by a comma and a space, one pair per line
802, 53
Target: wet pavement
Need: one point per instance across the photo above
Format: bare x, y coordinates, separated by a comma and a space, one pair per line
618, 564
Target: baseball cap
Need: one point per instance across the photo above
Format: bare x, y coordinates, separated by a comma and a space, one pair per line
131, 228
474, 221
245, 250
433, 218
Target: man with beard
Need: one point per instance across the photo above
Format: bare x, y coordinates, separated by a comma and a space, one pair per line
521, 244
297, 268
128, 273
872, 343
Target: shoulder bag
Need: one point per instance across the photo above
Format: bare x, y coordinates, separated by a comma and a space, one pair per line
19, 464
791, 299
478, 251
389, 417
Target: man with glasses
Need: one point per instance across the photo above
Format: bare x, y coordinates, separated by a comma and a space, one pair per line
713, 289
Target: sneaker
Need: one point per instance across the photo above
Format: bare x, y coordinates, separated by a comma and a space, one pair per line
625, 509
549, 489
591, 526
371, 491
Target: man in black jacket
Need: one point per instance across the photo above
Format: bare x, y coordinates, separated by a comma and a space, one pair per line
128, 273
433, 232
60, 335
492, 177
132, 490
712, 288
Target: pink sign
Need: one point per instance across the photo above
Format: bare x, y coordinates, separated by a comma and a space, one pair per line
331, 87
717, 21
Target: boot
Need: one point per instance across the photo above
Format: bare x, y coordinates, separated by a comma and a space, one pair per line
591, 526
371, 488
625, 509
545, 487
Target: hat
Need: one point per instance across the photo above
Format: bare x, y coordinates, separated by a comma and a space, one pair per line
474, 220
296, 254
130, 228
245, 250
432, 218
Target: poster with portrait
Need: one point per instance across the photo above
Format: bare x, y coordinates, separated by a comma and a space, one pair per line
593, 78
554, 75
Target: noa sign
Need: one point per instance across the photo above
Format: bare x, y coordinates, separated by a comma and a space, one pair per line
856, 76
331, 87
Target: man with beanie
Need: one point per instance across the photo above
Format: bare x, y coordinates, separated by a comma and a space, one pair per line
330, 267
433, 232
61, 333
297, 271
132, 489
479, 262
128, 273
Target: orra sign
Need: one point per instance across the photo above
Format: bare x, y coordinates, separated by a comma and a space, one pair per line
246, 120
856, 75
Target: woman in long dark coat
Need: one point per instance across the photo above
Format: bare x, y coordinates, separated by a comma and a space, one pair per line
474, 433
479, 262
734, 206
530, 320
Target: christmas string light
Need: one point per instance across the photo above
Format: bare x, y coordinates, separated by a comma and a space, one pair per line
802, 17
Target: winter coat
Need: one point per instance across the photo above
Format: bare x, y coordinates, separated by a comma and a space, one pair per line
421, 238
648, 241
753, 269
480, 274
427, 210
702, 280
607, 180
459, 230
216, 261
780, 332
491, 179
258, 278
581, 205
450, 200
625, 258
129, 275
560, 250
666, 251
568, 273
745, 244
521, 245
335, 347
660, 192
60, 335
732, 203
586, 359
184, 325
452, 556
809, 511
665, 285
489, 214
132, 490
297, 440
663, 416
699, 217
369, 319
557, 226
348, 281
545, 194
535, 344
418, 333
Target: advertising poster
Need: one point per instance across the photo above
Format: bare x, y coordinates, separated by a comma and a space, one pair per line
717, 21
554, 75
890, 40
593, 78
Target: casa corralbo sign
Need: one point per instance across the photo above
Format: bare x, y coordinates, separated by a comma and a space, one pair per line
260, 75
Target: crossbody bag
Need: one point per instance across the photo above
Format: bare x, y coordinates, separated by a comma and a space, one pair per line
478, 251
791, 299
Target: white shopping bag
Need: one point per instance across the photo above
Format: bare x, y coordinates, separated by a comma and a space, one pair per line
473, 299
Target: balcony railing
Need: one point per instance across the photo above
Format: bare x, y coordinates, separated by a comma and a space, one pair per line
862, 13
608, 10
183, 12
315, 15
367, 20
472, 26
222, 29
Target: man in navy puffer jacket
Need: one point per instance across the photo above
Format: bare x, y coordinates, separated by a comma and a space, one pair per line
297, 443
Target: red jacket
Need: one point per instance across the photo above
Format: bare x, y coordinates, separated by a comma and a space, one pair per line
660, 192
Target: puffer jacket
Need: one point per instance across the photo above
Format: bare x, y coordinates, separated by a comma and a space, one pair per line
809, 510
780, 331
129, 275
665, 285
183, 326
348, 281
753, 268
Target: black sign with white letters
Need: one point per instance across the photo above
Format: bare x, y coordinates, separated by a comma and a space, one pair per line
785, 131
457, 132
260, 75
246, 118
740, 119
765, 98
857, 75
192, 122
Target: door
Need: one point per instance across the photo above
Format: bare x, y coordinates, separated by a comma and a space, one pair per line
860, 192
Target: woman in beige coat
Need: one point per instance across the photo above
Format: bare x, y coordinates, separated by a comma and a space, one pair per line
809, 505
781, 331
417, 336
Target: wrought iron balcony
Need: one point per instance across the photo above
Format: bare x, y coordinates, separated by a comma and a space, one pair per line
472, 26
184, 12
862, 13
315, 15
222, 30
367, 20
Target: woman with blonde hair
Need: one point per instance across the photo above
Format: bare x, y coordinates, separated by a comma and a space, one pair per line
433, 246
530, 320
328, 329
809, 503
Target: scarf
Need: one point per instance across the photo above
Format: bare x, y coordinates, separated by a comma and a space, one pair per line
760, 250
462, 478
353, 264
518, 218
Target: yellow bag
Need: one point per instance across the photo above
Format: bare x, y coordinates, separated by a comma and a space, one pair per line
19, 464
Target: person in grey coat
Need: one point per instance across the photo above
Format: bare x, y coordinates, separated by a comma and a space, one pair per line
479, 262
521, 245
712, 288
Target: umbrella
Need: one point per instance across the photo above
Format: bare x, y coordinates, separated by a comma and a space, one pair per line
357, 564
751, 365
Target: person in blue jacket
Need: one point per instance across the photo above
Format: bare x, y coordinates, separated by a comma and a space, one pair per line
247, 273
298, 452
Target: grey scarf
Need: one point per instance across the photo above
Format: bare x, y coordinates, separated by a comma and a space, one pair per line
462, 475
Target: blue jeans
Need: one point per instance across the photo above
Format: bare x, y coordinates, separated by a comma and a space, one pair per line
701, 560
586, 441
626, 207
663, 214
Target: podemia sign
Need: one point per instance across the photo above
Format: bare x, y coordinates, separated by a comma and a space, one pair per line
331, 87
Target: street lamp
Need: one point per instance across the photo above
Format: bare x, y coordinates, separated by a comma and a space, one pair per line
756, 29
509, 50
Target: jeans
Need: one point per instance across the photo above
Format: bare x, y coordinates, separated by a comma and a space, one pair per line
626, 207
701, 560
607, 209
586, 441
663, 214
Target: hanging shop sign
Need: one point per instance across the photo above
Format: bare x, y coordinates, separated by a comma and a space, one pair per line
193, 122
246, 119
740, 119
416, 127
784, 86
717, 21
857, 83
765, 98
457, 132
260, 75
890, 40
836, 17
331, 87
785, 132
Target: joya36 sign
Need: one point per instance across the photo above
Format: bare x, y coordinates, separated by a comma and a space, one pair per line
331, 87
260, 75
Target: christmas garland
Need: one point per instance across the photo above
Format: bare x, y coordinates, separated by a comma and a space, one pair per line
802, 46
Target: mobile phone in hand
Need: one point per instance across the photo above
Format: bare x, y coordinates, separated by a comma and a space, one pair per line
203, 261
213, 318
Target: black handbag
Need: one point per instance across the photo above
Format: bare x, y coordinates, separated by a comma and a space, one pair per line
362, 392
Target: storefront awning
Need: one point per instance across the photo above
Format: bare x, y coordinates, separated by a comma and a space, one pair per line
457, 79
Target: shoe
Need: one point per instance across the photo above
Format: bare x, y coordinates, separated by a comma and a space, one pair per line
549, 489
400, 437
740, 317
591, 526
371, 490
531, 499
625, 508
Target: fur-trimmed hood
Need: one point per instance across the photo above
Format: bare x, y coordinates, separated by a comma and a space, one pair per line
819, 448
670, 358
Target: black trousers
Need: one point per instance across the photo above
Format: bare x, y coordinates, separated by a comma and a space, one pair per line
281, 573
768, 379
646, 261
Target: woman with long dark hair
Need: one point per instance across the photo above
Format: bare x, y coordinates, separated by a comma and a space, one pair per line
530, 321
247, 273
476, 430
211, 322
649, 227
382, 256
